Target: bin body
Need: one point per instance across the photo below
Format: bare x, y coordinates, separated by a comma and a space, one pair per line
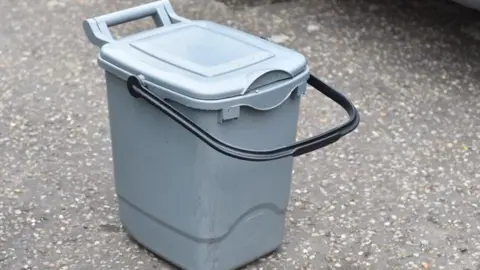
191, 205
194, 206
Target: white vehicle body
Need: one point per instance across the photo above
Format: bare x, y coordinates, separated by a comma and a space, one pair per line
475, 4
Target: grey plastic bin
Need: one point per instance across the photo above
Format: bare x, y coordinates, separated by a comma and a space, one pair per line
203, 125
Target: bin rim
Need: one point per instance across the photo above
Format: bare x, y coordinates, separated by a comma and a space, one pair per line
266, 98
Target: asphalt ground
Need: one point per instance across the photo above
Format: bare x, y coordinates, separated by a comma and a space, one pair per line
401, 192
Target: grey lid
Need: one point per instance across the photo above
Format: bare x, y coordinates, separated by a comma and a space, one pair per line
203, 60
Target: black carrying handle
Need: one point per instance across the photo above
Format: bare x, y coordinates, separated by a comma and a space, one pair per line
138, 90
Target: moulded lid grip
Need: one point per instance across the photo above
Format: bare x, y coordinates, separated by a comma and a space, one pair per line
265, 77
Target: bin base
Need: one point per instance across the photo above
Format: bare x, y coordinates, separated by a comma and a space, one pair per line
258, 234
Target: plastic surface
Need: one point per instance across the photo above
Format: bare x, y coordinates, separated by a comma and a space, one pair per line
204, 60
188, 203
267, 98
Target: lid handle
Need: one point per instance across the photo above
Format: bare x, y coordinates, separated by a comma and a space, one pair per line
138, 90
97, 30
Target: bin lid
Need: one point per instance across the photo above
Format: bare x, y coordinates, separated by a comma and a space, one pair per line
203, 60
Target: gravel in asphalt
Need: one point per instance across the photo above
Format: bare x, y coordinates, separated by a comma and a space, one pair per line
402, 192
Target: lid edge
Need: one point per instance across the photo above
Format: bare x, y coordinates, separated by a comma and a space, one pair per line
256, 99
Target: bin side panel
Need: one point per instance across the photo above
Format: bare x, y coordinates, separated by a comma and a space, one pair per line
172, 187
